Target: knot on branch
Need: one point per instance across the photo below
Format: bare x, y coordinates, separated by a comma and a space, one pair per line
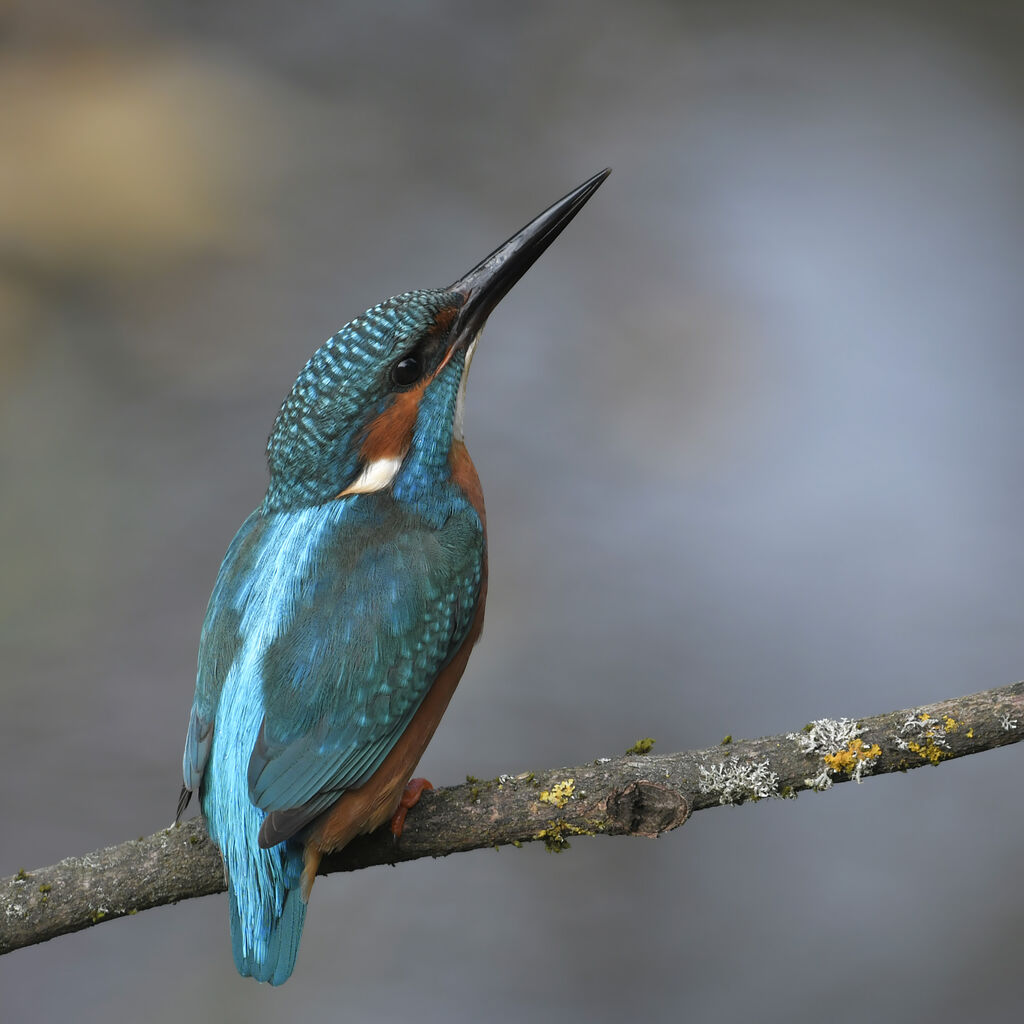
646, 808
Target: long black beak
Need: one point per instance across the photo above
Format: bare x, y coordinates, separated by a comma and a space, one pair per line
492, 279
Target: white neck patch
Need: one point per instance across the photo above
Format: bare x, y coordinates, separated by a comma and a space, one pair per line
375, 476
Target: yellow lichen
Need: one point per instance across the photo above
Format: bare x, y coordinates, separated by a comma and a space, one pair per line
970, 734
929, 750
856, 750
951, 724
554, 835
558, 794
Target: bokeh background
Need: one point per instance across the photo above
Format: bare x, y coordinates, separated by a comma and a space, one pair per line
750, 435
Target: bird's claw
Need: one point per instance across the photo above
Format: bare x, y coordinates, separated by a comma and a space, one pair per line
410, 798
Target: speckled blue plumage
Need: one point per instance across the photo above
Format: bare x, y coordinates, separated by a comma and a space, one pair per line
329, 621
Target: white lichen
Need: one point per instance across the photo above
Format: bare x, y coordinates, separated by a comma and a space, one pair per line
921, 726
734, 781
860, 767
826, 735
821, 781
1007, 723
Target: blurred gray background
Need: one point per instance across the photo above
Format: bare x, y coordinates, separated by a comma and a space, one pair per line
750, 436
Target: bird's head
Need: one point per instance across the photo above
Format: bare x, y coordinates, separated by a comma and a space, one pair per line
384, 396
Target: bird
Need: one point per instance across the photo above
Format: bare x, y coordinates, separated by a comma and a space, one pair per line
348, 602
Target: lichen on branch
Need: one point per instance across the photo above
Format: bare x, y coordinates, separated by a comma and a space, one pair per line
641, 794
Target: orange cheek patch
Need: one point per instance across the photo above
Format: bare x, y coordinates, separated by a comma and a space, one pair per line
390, 434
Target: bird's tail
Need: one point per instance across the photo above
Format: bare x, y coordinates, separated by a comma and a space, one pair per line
267, 916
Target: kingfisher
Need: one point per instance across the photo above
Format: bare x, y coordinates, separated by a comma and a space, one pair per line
348, 602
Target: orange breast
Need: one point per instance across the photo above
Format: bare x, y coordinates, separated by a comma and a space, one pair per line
464, 474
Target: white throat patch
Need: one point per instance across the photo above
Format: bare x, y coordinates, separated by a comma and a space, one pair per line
460, 399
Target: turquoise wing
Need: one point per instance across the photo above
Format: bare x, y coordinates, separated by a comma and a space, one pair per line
385, 604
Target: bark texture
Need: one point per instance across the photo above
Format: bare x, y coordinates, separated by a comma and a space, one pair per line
639, 795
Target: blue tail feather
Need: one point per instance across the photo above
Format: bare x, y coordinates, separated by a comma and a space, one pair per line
274, 960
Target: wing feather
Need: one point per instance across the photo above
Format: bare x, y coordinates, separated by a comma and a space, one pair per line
218, 646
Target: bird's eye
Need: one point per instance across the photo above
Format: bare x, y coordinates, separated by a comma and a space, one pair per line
406, 371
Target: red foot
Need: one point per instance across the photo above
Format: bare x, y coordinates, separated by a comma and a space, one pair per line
410, 798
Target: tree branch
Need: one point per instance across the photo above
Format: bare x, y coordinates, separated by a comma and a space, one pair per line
641, 795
